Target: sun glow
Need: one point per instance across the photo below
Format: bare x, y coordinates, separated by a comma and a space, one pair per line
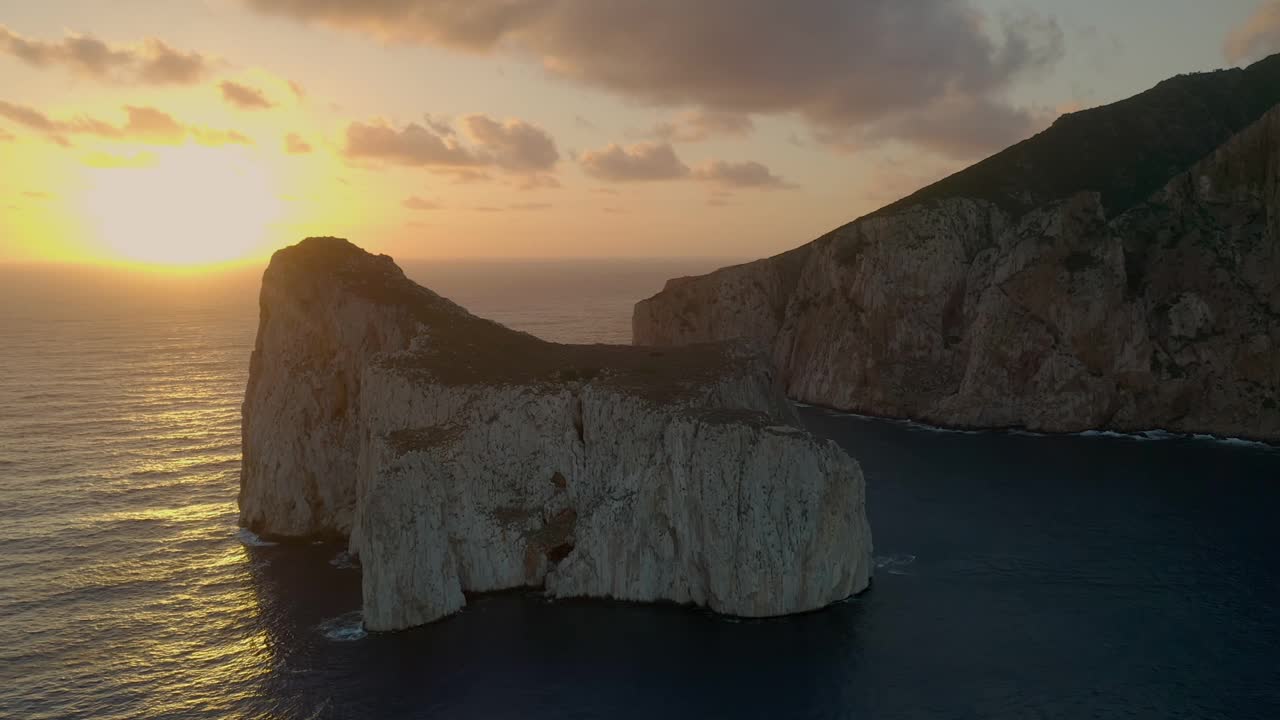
193, 206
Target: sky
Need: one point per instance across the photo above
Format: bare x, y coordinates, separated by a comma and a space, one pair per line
199, 132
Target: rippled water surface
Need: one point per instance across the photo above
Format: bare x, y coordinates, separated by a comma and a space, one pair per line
1017, 576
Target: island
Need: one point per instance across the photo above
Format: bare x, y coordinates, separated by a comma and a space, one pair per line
456, 455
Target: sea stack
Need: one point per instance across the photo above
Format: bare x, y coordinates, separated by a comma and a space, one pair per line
459, 456
1120, 270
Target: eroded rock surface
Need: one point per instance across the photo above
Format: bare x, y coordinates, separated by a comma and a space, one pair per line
1054, 286
458, 456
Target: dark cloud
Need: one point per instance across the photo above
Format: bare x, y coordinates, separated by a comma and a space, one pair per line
151, 62
839, 64
417, 203
513, 146
643, 161
748, 174
244, 97
961, 127
658, 161
412, 145
1259, 35
295, 145
700, 125
142, 124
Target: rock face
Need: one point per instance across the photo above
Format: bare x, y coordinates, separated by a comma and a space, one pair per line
1093, 298
458, 455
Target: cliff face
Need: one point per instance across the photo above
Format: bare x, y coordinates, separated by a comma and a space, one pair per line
458, 456
1083, 311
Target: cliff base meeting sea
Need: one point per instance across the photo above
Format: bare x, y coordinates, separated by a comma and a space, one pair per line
1016, 575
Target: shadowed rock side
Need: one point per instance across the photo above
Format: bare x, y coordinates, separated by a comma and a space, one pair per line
1084, 311
458, 455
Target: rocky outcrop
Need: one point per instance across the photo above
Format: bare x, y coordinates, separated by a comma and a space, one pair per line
458, 455
1083, 311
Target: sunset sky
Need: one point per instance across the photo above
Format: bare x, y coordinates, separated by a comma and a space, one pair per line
205, 131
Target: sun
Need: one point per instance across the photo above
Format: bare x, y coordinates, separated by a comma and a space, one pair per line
195, 205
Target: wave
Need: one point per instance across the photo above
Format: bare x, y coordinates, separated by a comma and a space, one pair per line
347, 627
1136, 435
249, 538
344, 561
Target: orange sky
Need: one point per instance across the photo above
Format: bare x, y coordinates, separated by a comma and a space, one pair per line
195, 132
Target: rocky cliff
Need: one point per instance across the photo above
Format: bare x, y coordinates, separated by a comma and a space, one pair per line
1121, 270
458, 455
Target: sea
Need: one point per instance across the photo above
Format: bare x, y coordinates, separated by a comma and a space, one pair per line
1017, 576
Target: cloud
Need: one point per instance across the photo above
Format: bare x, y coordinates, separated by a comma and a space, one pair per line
512, 145
658, 161
295, 145
1259, 35
6, 136
643, 161
151, 62
244, 97
958, 126
417, 203
142, 124
699, 125
299, 92
413, 145
839, 64
538, 182
36, 195
120, 162
748, 174
529, 206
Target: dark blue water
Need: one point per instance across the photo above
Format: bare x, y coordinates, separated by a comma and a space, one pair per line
1017, 576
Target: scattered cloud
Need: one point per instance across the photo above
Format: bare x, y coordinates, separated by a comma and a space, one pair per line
295, 145
613, 210
720, 199
6, 136
299, 92
143, 124
959, 126
840, 65
583, 123
529, 206
487, 209
36, 195
1259, 35
512, 146
658, 161
412, 145
643, 161
699, 125
538, 182
244, 97
118, 162
747, 174
417, 203
150, 62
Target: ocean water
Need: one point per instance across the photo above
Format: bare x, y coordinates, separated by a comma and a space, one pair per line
1017, 576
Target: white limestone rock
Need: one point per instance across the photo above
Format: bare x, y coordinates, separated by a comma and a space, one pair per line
460, 456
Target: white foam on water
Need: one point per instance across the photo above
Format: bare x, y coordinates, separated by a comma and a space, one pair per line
1137, 436
347, 627
344, 561
249, 539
